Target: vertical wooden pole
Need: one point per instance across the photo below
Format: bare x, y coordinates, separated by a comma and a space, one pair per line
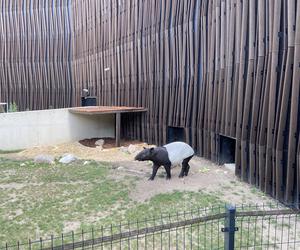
118, 129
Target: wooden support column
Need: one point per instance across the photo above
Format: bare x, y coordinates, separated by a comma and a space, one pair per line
118, 129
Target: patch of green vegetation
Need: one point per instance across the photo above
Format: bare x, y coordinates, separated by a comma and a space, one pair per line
37, 200
13, 107
10, 151
256, 191
172, 203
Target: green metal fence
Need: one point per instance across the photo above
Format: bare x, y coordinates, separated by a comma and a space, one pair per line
243, 227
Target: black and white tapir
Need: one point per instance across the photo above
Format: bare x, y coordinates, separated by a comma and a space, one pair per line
169, 155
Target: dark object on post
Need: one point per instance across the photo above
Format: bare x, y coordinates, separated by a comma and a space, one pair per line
169, 155
88, 101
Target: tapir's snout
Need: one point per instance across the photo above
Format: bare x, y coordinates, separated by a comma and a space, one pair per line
137, 157
142, 156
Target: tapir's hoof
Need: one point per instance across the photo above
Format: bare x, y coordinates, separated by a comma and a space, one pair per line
180, 176
168, 178
150, 179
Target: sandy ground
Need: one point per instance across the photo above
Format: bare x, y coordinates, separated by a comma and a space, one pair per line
80, 151
204, 175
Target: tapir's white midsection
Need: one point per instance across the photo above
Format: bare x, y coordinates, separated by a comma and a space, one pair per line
178, 151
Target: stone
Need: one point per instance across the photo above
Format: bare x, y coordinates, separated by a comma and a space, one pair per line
230, 166
22, 165
85, 163
67, 158
124, 149
48, 159
100, 143
132, 149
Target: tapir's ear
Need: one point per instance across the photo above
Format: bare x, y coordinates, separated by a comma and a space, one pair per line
151, 150
144, 147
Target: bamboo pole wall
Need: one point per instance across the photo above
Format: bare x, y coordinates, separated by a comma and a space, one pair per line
35, 53
212, 67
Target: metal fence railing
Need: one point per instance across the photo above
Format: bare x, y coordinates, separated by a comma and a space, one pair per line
245, 227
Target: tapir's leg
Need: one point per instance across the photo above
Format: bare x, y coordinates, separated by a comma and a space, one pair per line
154, 171
168, 171
181, 172
187, 170
185, 167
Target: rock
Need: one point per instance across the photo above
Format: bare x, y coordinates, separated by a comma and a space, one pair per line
85, 163
124, 149
49, 159
100, 143
120, 168
132, 149
230, 166
22, 165
67, 158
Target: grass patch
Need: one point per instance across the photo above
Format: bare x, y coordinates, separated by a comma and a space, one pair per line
38, 200
2, 152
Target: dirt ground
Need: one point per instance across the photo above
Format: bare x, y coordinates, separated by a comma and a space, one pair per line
204, 175
109, 142
79, 150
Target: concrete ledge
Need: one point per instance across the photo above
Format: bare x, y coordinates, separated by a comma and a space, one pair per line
49, 127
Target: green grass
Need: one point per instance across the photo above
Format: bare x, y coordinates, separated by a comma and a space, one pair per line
10, 151
38, 200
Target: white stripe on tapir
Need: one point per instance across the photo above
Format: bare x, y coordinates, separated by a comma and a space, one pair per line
178, 151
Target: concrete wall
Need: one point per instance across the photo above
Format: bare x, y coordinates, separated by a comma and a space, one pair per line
48, 127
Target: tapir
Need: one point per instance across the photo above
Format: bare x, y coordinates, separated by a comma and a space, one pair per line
168, 155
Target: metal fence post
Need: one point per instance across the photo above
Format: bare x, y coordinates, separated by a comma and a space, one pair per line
230, 228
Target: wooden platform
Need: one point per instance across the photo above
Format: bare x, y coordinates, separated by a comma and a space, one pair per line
94, 110
117, 110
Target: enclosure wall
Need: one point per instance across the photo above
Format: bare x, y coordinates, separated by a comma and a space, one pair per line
35, 54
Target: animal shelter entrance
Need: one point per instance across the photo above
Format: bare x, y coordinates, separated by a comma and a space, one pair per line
226, 149
175, 134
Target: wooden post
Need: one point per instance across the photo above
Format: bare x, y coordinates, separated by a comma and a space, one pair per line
118, 129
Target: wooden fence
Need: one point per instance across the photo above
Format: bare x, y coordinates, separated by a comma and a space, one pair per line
213, 67
35, 53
